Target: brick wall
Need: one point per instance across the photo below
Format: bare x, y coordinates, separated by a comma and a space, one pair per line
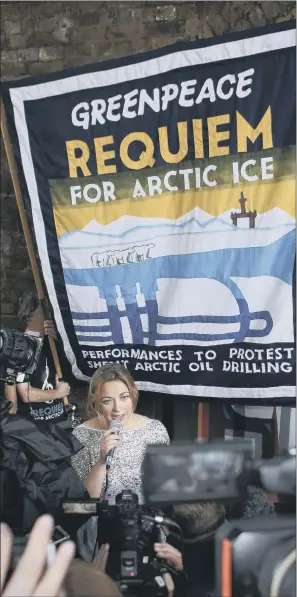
42, 37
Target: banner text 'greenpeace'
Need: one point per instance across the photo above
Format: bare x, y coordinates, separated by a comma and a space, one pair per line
138, 101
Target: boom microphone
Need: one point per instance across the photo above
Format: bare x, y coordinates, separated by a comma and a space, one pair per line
117, 427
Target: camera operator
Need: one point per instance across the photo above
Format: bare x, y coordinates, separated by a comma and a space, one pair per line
199, 523
40, 396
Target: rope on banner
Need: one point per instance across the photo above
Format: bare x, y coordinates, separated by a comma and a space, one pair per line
34, 265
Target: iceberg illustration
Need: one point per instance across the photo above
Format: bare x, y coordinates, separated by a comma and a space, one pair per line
128, 238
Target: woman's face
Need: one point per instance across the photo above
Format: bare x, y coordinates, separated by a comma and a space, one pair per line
115, 401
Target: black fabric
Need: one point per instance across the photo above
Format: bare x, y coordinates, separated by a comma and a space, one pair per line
44, 378
199, 566
35, 464
2, 384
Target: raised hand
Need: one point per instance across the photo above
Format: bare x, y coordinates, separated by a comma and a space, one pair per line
169, 553
109, 441
50, 329
62, 388
31, 578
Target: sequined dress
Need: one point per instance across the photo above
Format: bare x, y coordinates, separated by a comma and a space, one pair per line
125, 472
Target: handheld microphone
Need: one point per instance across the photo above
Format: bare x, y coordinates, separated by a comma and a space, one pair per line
117, 427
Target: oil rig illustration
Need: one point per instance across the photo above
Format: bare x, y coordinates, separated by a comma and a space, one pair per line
235, 215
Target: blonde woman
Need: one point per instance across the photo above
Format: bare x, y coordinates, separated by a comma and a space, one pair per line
112, 396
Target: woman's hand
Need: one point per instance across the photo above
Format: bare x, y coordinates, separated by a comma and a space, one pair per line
30, 578
169, 553
109, 441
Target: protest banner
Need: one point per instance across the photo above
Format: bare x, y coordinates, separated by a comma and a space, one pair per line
161, 190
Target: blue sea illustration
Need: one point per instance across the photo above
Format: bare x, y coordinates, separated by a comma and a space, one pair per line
275, 259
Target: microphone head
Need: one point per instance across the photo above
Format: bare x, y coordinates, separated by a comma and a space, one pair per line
116, 424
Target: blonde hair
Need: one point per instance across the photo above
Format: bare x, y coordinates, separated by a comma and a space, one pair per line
112, 372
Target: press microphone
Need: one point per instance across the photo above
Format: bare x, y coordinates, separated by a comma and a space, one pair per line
116, 426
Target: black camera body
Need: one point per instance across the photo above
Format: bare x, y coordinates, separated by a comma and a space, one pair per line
19, 352
250, 556
255, 557
120, 527
131, 534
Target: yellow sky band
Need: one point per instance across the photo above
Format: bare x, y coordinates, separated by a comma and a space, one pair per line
215, 201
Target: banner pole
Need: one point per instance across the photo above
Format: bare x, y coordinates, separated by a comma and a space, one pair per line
34, 265
203, 421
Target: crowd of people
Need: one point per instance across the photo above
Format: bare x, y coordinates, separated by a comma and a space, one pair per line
80, 568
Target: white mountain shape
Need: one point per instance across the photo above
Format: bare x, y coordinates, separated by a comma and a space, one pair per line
126, 223
273, 218
94, 227
218, 224
129, 229
197, 214
134, 228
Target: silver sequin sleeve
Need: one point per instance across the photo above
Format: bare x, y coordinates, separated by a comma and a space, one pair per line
84, 460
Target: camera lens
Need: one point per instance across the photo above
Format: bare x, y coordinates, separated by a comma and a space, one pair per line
16, 349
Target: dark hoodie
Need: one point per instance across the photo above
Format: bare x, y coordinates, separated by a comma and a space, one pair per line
36, 473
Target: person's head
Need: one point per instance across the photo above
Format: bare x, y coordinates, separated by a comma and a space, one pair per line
83, 579
112, 394
199, 521
28, 307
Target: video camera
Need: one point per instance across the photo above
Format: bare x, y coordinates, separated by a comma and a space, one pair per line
256, 557
19, 353
131, 534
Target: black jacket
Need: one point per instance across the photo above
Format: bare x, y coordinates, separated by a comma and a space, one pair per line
36, 472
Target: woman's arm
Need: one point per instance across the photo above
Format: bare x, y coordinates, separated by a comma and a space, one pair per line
10, 394
95, 480
93, 476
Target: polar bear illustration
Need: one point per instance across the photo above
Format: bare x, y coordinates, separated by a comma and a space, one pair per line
143, 252
125, 256
111, 259
99, 259
122, 256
